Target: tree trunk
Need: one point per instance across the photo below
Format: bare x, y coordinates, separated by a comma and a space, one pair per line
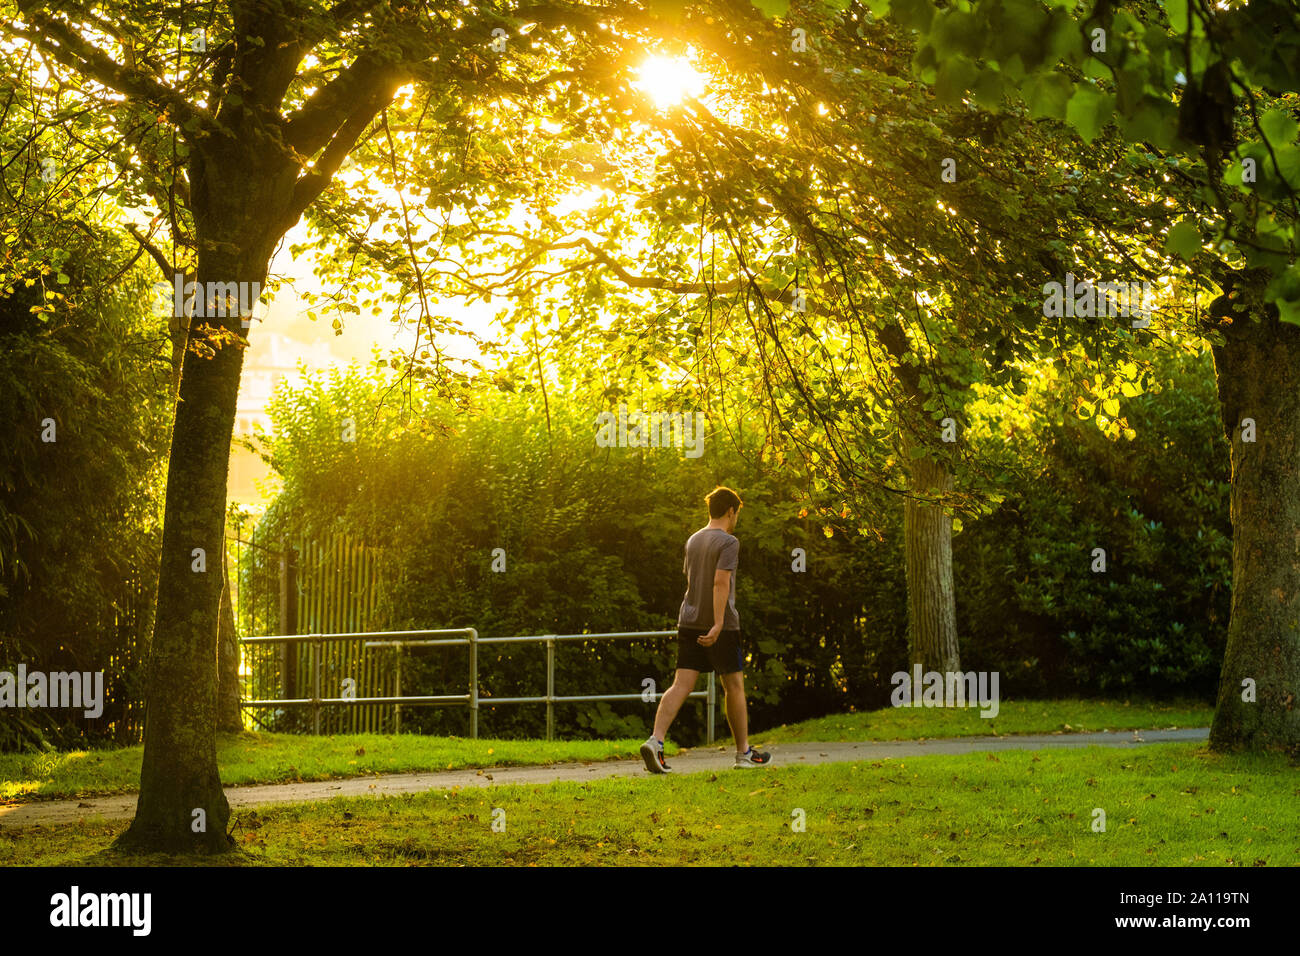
182, 806
1258, 373
229, 718
241, 188
931, 599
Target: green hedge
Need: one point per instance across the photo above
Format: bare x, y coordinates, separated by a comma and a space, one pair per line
1155, 621
593, 540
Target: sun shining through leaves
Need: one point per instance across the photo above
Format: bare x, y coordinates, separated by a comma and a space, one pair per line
669, 79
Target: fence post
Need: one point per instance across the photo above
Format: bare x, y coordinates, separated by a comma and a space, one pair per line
712, 704
289, 615
550, 688
398, 692
473, 684
315, 687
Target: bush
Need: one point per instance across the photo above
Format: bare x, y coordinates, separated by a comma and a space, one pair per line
593, 543
592, 539
80, 515
1155, 622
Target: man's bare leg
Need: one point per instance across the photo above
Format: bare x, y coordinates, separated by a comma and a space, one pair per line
733, 686
673, 698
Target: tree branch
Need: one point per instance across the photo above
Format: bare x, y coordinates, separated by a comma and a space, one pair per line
310, 185
62, 42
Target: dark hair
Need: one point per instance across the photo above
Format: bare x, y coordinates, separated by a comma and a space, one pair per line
721, 500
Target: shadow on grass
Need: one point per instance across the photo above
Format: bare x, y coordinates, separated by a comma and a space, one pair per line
111, 856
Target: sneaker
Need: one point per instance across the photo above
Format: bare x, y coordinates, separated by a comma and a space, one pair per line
753, 758
652, 752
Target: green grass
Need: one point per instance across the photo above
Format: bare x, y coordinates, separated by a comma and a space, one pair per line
1014, 717
289, 758
1165, 805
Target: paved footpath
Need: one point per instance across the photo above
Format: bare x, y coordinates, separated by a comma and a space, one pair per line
698, 760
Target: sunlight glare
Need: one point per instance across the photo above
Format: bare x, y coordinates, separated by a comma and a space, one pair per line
669, 79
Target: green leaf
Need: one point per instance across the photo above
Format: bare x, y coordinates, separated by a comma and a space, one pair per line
1284, 287
1096, 69
913, 14
1047, 94
956, 76
1288, 162
1184, 239
1279, 127
1063, 36
772, 8
989, 89
1289, 310
1088, 111
1176, 11
1150, 121
955, 32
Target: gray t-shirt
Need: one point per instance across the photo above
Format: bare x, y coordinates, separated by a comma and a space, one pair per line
708, 550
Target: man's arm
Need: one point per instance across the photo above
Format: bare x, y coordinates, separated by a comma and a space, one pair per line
721, 591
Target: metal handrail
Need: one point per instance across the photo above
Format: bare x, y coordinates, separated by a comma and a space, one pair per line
472, 699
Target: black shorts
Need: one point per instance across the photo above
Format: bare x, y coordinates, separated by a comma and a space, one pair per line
724, 655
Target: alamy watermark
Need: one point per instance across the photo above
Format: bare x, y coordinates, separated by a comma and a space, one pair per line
1088, 299
208, 300
78, 909
951, 689
651, 430
37, 689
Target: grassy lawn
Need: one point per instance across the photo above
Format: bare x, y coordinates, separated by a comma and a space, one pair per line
288, 758
1165, 805
284, 758
1014, 717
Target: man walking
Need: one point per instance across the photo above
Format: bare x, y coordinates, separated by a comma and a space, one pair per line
708, 632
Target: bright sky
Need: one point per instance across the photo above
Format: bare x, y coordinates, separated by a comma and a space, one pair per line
285, 337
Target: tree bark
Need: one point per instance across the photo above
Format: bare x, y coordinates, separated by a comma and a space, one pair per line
229, 717
182, 806
1258, 373
240, 196
931, 598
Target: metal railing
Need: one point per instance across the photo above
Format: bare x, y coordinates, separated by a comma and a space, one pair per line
404, 639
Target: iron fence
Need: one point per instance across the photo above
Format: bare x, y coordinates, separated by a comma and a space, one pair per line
399, 640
